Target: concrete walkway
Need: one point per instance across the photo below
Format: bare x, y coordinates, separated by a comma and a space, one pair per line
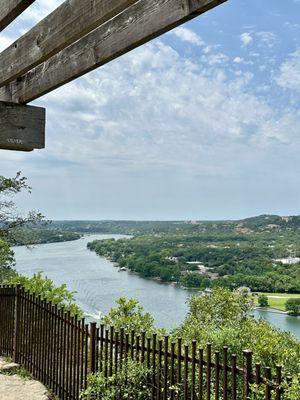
12, 387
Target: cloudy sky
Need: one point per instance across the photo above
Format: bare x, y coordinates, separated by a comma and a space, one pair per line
202, 123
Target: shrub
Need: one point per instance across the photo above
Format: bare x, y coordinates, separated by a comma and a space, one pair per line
44, 287
263, 300
130, 382
293, 306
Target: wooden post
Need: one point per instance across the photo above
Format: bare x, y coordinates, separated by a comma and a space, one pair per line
16, 341
93, 328
248, 371
21, 127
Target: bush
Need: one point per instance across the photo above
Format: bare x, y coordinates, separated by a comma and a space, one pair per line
44, 287
131, 382
129, 315
293, 306
263, 300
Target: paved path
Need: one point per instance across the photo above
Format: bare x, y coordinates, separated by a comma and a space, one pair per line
12, 387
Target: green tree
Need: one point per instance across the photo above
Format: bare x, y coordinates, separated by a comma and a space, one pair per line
129, 315
42, 286
223, 318
6, 261
263, 300
293, 306
10, 219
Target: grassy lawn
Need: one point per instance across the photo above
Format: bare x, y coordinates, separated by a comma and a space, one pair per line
278, 300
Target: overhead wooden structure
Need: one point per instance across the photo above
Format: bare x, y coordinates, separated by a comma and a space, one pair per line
79, 36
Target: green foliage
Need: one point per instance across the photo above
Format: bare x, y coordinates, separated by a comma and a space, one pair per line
263, 300
131, 381
291, 391
232, 254
293, 306
222, 318
129, 315
10, 219
6, 261
44, 287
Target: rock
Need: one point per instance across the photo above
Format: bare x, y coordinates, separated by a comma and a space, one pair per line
6, 366
15, 388
12, 387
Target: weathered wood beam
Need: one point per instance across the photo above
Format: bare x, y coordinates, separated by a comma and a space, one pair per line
69, 22
21, 127
11, 9
140, 23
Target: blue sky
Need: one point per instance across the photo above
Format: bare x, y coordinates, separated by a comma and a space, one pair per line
202, 123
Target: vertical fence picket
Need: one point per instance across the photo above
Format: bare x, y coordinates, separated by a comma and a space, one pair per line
153, 392
179, 359
268, 379
148, 352
143, 349
172, 370
247, 372
93, 331
278, 382
186, 372
234, 377
217, 375
208, 371
116, 351
193, 370
106, 353
111, 350
225, 378
166, 367
159, 374
101, 347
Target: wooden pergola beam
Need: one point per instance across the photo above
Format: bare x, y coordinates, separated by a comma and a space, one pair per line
22, 127
137, 25
11, 9
69, 22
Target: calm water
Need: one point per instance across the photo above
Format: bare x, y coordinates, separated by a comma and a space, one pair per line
98, 284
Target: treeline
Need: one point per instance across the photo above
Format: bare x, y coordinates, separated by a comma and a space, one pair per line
230, 259
29, 236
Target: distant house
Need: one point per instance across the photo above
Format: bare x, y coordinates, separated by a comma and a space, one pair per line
203, 270
288, 260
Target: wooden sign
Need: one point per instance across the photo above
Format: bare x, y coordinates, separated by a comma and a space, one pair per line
22, 127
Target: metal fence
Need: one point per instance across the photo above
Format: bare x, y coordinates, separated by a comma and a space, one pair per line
60, 350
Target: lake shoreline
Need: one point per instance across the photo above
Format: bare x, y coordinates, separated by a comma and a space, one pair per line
98, 285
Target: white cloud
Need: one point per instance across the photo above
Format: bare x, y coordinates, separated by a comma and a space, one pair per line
187, 35
153, 107
246, 38
289, 75
5, 41
268, 39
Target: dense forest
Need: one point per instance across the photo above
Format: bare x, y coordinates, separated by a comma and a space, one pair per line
209, 254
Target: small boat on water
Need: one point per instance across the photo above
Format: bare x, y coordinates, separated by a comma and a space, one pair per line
121, 269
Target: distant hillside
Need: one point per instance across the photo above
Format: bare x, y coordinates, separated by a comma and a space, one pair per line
137, 228
262, 222
271, 221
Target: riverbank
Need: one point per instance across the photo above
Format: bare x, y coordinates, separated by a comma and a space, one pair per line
98, 284
277, 301
273, 310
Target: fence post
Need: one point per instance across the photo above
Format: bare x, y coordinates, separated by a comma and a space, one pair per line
248, 371
93, 330
16, 333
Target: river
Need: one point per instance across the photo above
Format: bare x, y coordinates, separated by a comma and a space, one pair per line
98, 284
